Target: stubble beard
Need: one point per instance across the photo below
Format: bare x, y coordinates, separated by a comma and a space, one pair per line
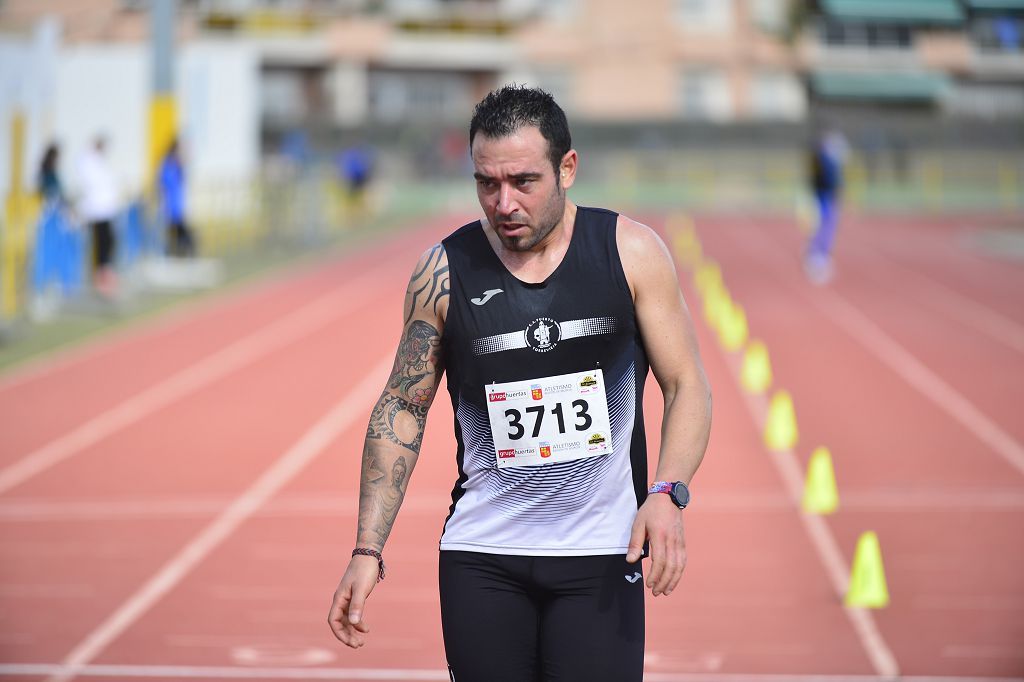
553, 213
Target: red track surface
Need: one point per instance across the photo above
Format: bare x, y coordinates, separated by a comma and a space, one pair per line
122, 484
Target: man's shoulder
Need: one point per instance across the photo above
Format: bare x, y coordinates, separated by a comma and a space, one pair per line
637, 238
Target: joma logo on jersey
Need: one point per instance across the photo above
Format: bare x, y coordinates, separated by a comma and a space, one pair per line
496, 397
536, 391
506, 454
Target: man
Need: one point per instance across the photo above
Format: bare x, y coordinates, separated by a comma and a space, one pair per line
180, 241
99, 208
827, 159
545, 316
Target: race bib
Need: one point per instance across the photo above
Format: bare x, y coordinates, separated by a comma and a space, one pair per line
552, 419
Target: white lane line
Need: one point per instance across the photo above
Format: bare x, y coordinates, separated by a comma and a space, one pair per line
961, 307
274, 336
188, 672
354, 406
906, 365
919, 376
824, 542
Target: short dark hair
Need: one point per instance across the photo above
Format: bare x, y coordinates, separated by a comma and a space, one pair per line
512, 107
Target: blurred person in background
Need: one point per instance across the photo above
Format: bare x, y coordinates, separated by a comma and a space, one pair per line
180, 240
355, 165
546, 317
99, 206
826, 173
48, 182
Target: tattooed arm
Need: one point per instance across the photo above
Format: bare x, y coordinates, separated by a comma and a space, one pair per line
394, 436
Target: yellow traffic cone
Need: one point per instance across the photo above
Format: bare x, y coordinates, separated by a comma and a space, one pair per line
688, 253
867, 578
685, 239
756, 374
820, 493
708, 275
733, 331
780, 430
717, 304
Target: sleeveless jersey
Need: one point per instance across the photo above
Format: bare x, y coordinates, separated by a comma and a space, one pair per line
500, 329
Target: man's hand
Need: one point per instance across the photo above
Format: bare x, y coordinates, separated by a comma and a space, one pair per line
346, 616
661, 523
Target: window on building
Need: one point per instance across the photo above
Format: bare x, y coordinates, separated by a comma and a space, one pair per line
855, 34
776, 95
705, 15
704, 95
770, 15
998, 34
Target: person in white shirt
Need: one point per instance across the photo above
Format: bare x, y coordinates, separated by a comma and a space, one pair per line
99, 205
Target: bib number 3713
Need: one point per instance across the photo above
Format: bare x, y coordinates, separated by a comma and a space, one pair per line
549, 419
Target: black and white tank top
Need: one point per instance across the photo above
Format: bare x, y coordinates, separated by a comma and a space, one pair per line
542, 470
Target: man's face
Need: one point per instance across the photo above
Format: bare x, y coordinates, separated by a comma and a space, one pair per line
517, 187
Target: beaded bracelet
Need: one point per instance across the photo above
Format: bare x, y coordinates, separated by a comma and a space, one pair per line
365, 551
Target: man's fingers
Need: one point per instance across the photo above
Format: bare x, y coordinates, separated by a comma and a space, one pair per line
677, 574
636, 542
658, 561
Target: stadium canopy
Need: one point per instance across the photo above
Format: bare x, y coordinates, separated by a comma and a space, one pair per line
887, 87
895, 11
996, 5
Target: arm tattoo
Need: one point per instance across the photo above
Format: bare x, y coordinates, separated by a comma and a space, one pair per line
400, 415
379, 503
387, 412
419, 355
434, 288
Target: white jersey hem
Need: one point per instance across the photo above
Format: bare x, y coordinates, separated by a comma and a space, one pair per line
532, 551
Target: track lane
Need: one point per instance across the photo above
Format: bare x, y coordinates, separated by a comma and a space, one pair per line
885, 438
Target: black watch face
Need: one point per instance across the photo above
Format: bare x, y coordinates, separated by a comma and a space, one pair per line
680, 494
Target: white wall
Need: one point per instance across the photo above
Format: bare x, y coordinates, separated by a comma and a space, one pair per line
28, 74
104, 89
73, 93
219, 110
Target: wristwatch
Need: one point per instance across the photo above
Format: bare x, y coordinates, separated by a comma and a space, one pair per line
676, 490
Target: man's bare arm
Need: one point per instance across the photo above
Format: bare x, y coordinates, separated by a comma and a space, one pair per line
393, 437
671, 345
395, 430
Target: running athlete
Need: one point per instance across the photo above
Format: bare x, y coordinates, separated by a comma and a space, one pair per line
546, 317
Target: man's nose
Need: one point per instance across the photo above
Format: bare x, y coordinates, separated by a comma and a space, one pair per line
506, 201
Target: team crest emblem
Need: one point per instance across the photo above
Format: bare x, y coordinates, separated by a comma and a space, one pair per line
543, 334
536, 391
545, 450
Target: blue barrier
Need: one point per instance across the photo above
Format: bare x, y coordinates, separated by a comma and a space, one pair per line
59, 253
133, 234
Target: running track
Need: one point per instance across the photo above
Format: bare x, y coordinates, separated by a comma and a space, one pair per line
177, 501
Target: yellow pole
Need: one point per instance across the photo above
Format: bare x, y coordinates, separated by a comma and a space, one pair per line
163, 125
12, 247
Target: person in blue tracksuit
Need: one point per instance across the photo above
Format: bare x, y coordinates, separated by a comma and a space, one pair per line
180, 241
826, 184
